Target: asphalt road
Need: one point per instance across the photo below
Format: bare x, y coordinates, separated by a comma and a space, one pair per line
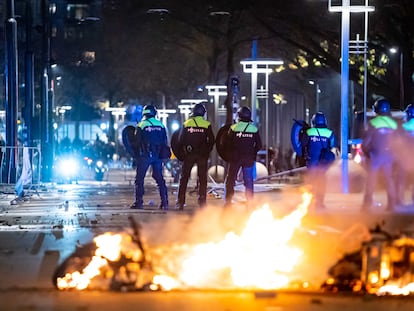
195, 301
38, 234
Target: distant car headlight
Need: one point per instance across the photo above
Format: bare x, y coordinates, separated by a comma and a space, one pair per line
68, 167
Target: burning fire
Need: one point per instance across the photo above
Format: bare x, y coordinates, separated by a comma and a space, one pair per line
396, 289
259, 257
110, 248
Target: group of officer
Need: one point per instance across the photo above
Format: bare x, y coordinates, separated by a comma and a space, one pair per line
387, 144
148, 144
383, 141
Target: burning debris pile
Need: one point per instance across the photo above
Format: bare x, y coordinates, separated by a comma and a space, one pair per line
383, 266
259, 257
115, 261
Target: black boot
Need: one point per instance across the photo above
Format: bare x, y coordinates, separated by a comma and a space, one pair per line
202, 201
179, 206
164, 204
136, 205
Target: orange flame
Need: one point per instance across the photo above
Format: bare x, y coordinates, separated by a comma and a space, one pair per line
396, 289
259, 257
110, 247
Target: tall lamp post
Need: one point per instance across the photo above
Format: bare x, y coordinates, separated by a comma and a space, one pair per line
346, 9
317, 91
216, 91
255, 66
401, 75
11, 90
119, 115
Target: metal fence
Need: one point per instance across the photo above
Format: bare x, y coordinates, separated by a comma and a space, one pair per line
20, 164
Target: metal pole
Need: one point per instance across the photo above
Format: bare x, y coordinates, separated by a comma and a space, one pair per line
344, 93
11, 91
267, 120
401, 80
29, 77
254, 91
365, 64
45, 114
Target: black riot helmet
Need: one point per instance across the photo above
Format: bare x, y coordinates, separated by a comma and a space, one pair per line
382, 107
244, 114
409, 111
319, 120
149, 111
198, 110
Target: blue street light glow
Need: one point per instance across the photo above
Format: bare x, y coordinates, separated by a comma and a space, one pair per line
175, 126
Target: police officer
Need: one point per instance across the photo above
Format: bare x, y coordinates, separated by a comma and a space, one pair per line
377, 146
196, 138
243, 142
405, 144
315, 139
151, 140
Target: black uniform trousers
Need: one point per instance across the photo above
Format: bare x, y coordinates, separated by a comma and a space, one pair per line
143, 163
189, 161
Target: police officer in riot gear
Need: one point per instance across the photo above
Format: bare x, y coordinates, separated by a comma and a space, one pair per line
377, 146
152, 142
196, 138
315, 139
242, 142
405, 167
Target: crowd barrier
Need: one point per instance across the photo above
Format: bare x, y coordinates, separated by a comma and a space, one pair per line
20, 167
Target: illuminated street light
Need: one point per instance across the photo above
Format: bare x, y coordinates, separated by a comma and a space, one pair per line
187, 105
216, 91
60, 113
119, 115
63, 109
394, 50
116, 111
164, 113
357, 47
255, 66
317, 92
346, 9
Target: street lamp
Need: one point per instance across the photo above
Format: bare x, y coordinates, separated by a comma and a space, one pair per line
216, 91
118, 113
346, 9
11, 89
317, 91
255, 66
187, 105
394, 50
163, 115
60, 112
